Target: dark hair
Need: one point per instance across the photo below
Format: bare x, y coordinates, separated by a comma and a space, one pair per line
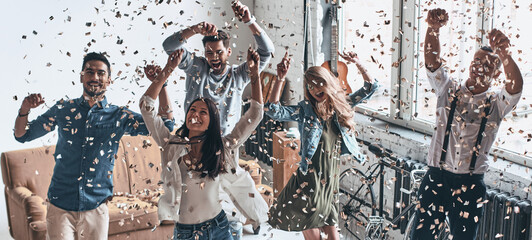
212, 160
94, 56
487, 49
221, 36
490, 50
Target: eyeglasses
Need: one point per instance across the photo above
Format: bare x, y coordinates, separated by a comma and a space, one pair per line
89, 72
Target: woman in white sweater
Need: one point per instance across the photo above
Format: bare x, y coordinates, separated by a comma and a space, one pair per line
197, 160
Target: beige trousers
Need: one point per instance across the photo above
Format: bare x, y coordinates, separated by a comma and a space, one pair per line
71, 225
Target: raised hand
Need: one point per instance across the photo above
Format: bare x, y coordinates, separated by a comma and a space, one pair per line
152, 71
241, 11
499, 42
174, 59
32, 101
283, 66
350, 57
437, 18
253, 61
205, 29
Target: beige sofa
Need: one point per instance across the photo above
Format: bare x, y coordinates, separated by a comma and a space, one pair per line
133, 211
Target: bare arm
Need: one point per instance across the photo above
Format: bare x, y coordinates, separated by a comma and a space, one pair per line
165, 106
436, 19
32, 101
162, 76
282, 70
243, 14
253, 64
500, 44
352, 57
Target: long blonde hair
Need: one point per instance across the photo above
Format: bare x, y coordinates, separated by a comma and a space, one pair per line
335, 102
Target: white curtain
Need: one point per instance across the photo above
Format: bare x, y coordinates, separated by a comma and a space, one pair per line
317, 33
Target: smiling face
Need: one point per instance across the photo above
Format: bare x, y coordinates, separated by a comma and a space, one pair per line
483, 68
197, 120
217, 55
95, 78
317, 89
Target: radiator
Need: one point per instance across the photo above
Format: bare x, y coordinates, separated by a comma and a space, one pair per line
259, 145
505, 217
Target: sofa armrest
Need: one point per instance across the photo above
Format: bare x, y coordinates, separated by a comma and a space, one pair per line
34, 206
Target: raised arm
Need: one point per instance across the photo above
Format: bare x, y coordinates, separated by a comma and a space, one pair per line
370, 85
352, 58
500, 44
156, 126
265, 46
176, 40
436, 19
275, 110
165, 106
243, 14
162, 75
282, 70
32, 101
251, 119
256, 87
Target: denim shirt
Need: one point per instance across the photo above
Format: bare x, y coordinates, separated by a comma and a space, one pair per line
311, 128
86, 148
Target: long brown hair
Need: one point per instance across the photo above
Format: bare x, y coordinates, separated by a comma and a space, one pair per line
335, 102
212, 160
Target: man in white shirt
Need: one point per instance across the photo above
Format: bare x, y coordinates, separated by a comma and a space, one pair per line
468, 116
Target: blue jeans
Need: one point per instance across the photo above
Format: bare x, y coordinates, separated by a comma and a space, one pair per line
213, 229
235, 229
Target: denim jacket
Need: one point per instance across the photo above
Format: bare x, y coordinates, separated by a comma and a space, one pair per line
311, 129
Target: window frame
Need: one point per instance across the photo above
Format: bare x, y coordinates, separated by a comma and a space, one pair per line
401, 113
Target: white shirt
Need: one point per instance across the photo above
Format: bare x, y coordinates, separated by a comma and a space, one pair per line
466, 123
189, 199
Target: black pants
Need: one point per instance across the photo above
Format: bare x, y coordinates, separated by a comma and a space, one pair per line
457, 196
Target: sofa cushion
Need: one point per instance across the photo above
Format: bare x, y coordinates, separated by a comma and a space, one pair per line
120, 172
131, 214
30, 168
144, 163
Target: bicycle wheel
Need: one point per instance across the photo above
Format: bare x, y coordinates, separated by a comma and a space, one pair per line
357, 204
443, 235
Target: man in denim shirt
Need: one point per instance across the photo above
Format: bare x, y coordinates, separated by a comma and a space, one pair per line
89, 132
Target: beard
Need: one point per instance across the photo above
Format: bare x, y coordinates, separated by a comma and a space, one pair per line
220, 70
93, 93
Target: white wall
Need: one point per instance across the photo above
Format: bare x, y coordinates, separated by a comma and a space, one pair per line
58, 36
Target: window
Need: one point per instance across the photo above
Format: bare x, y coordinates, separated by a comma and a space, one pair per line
368, 32
513, 19
458, 45
390, 40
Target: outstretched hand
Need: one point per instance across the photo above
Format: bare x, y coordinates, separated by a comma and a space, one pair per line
241, 11
283, 66
499, 42
437, 18
152, 71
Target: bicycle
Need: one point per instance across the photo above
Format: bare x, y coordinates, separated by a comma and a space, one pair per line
358, 207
